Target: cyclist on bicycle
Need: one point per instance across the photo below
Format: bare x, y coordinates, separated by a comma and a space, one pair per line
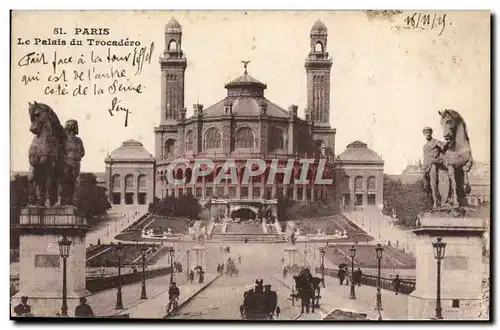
173, 292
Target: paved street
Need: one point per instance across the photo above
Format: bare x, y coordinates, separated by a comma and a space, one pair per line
222, 299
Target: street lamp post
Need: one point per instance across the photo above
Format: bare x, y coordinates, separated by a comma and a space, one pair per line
439, 249
379, 249
143, 290
187, 263
64, 246
119, 302
322, 252
352, 253
171, 251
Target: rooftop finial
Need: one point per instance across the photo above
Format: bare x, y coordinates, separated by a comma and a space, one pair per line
245, 65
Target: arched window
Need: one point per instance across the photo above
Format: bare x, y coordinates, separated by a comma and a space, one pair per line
372, 183
358, 183
141, 181
129, 181
345, 181
179, 174
245, 138
116, 181
276, 139
189, 140
318, 47
172, 46
212, 138
188, 173
318, 145
169, 148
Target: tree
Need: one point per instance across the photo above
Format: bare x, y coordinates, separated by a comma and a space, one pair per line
282, 208
183, 206
406, 201
89, 197
19, 198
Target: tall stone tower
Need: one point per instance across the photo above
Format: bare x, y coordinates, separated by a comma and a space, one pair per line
318, 65
173, 67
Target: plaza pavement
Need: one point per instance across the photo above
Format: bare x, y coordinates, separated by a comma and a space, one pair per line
222, 299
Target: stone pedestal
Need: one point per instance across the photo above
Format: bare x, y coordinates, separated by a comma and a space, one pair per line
40, 262
461, 268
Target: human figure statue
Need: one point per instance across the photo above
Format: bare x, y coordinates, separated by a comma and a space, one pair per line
74, 154
433, 161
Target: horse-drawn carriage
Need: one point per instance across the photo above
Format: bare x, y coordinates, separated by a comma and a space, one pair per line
260, 304
307, 289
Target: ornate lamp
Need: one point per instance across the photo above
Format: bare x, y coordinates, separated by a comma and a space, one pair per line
379, 250
64, 246
143, 290
119, 252
322, 252
171, 252
352, 254
439, 250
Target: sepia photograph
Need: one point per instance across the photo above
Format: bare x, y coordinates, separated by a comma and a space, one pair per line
250, 165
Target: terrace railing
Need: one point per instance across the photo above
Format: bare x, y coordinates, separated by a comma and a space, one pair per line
406, 286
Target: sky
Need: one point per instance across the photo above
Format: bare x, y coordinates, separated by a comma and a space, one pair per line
387, 81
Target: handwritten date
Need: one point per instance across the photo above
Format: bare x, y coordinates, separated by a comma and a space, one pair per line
426, 21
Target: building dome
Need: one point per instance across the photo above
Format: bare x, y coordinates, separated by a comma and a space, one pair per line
359, 151
173, 26
131, 149
319, 28
245, 96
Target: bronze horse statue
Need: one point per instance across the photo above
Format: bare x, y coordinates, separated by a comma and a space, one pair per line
457, 157
54, 157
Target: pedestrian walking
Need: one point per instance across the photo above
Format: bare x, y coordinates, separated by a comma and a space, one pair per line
396, 284
341, 275
359, 276
84, 309
23, 309
201, 279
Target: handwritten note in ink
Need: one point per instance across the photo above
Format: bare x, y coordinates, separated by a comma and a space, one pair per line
105, 67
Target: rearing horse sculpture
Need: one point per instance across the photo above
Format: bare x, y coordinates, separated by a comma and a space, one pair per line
46, 155
458, 156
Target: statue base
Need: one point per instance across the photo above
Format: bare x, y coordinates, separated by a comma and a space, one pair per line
40, 261
461, 268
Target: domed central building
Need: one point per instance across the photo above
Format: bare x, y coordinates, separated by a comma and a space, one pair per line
244, 125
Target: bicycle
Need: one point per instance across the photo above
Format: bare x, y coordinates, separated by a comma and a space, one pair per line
173, 305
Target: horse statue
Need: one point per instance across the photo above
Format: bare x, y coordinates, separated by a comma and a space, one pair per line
457, 156
46, 155
54, 156
308, 290
446, 164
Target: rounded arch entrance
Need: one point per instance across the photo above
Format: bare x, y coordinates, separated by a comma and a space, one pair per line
244, 212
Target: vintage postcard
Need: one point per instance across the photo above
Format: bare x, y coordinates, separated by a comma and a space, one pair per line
250, 165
